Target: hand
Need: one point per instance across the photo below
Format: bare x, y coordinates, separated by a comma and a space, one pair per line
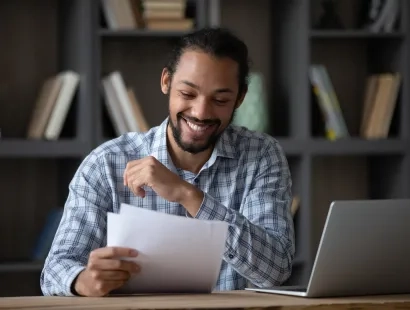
150, 172
105, 271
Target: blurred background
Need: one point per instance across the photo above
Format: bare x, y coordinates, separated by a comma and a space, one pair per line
329, 80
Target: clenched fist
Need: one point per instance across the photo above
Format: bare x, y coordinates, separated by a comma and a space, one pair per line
150, 172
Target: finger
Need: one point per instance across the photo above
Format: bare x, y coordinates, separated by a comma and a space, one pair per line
103, 288
137, 189
111, 252
110, 275
108, 264
128, 167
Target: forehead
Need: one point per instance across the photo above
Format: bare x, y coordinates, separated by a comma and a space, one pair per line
200, 67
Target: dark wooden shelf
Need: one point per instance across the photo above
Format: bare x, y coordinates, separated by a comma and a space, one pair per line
41, 148
21, 267
353, 34
140, 33
291, 146
357, 146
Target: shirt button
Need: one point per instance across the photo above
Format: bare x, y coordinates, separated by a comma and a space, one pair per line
231, 256
196, 181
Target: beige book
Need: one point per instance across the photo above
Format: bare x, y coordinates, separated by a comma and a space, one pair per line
165, 5
170, 25
376, 114
138, 114
390, 105
163, 14
369, 98
44, 106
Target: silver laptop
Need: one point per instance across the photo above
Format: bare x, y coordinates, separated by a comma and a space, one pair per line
364, 250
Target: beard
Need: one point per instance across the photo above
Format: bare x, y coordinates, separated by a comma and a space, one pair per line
192, 147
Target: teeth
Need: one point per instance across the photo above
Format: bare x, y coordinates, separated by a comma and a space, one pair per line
196, 127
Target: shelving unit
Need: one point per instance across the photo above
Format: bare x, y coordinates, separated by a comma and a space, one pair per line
44, 37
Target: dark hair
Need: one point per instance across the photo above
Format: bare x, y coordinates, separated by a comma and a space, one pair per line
218, 42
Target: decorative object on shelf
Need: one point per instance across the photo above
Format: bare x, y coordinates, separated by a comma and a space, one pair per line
329, 19
379, 15
253, 112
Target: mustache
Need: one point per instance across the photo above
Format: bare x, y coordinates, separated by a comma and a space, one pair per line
198, 121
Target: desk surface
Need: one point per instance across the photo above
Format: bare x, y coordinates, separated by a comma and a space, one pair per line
220, 300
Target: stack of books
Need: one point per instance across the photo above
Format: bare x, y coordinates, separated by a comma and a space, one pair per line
147, 14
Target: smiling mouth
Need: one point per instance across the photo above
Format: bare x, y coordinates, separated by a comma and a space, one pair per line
199, 128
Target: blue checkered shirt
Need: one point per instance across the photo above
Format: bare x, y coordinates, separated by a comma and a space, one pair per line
246, 182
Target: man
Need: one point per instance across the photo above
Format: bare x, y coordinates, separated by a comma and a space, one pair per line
194, 164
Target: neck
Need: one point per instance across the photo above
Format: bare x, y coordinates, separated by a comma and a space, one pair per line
185, 160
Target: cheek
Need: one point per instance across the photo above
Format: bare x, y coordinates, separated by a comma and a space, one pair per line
225, 114
177, 103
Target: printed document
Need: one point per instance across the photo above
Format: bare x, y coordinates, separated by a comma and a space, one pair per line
176, 254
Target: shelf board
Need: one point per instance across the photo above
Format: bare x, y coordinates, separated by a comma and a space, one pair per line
353, 34
21, 267
41, 148
290, 146
141, 33
357, 146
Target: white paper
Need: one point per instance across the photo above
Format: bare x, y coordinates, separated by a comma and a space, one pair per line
176, 254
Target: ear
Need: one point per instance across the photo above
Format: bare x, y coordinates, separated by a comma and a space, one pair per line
165, 81
241, 98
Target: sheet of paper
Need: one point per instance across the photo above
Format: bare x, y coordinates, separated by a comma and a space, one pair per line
176, 254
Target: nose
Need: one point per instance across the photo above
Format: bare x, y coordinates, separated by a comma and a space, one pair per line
202, 109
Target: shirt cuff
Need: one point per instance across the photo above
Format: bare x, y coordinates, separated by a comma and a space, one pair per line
211, 209
69, 279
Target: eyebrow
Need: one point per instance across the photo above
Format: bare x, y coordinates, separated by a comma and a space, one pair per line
220, 90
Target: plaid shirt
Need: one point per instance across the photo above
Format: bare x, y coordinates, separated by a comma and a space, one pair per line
246, 182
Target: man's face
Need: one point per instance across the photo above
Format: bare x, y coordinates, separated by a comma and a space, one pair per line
202, 99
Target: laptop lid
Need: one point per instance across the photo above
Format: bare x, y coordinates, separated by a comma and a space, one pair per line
364, 249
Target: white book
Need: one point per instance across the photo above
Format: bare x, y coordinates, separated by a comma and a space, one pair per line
124, 101
65, 97
110, 14
113, 107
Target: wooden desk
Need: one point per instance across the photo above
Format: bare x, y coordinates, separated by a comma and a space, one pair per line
220, 300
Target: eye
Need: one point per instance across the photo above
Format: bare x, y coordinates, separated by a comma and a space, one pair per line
221, 101
187, 95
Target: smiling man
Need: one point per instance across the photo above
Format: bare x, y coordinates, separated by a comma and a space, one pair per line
194, 164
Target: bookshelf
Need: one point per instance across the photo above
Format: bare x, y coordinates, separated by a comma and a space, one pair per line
44, 37
288, 42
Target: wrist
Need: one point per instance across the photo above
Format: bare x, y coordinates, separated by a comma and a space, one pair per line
191, 198
77, 287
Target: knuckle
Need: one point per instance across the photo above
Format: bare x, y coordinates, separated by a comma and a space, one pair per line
117, 264
112, 251
92, 264
94, 274
151, 160
100, 287
93, 255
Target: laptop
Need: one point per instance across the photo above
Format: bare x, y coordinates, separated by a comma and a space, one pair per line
364, 250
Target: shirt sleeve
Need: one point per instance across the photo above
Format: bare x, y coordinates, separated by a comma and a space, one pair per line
260, 244
82, 228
